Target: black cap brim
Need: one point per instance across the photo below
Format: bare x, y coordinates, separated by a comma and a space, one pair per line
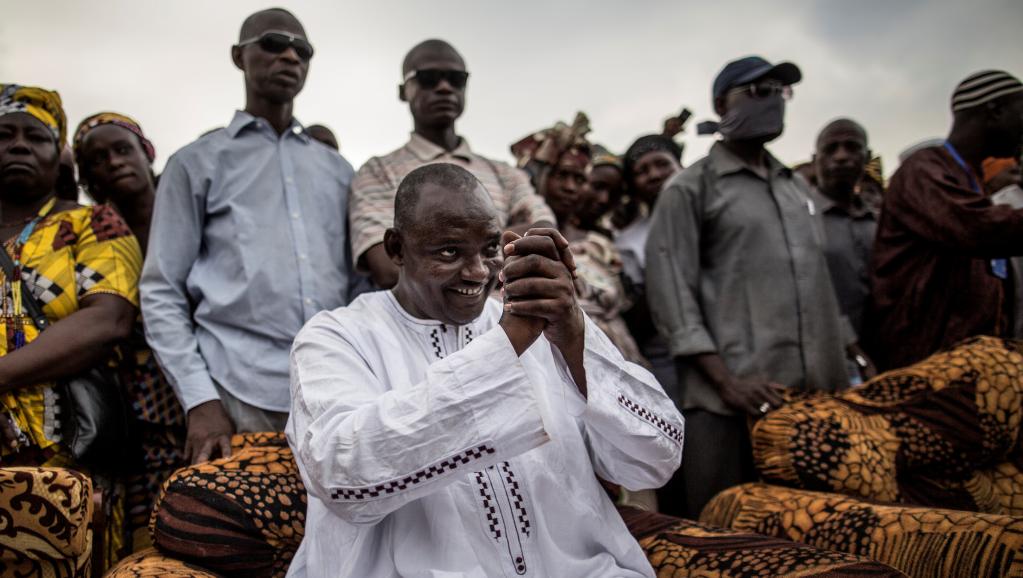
784, 72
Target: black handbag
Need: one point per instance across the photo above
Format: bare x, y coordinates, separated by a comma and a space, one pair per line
95, 423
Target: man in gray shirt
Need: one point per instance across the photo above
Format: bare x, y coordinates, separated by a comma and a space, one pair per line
739, 286
839, 161
249, 240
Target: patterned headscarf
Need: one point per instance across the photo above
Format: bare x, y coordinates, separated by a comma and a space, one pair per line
42, 104
874, 171
648, 144
123, 121
602, 156
550, 145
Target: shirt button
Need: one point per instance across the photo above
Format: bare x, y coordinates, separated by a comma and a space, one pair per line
288, 180
308, 301
294, 215
301, 257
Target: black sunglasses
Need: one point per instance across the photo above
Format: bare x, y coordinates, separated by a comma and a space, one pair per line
276, 42
429, 78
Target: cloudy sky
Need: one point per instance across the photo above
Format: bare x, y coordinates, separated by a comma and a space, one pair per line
890, 64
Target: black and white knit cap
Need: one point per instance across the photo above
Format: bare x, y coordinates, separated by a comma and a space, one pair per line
982, 87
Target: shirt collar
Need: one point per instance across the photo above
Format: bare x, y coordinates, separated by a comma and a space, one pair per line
243, 120
724, 162
426, 151
425, 325
824, 204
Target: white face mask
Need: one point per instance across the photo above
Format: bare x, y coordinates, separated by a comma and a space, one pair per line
754, 118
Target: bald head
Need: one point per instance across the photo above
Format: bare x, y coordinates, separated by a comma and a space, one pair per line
429, 51
270, 19
445, 185
842, 125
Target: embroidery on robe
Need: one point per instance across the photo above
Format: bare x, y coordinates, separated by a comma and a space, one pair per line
489, 505
652, 418
444, 466
517, 500
435, 341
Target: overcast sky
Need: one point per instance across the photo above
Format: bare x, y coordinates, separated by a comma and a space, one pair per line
889, 64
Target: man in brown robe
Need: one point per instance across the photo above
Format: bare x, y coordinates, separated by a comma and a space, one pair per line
939, 267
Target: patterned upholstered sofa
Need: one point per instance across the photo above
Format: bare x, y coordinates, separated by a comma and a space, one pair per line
863, 471
244, 516
857, 481
944, 432
45, 516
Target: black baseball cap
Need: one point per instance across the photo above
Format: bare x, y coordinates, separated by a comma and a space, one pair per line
750, 68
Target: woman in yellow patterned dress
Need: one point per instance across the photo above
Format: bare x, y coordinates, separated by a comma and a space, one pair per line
81, 263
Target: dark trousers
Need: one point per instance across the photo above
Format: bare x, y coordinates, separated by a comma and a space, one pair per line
716, 455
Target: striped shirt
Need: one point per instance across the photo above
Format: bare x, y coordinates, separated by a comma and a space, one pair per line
371, 204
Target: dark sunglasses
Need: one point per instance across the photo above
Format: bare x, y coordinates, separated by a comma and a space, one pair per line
429, 78
765, 88
276, 42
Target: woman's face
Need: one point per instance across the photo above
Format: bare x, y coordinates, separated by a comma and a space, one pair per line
29, 158
114, 165
565, 185
651, 171
603, 192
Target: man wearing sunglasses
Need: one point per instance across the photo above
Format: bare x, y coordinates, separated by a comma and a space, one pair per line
434, 81
736, 270
247, 244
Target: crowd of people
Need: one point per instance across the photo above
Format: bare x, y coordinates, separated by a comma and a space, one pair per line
709, 292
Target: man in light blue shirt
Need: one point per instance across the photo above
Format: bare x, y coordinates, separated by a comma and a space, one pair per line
249, 240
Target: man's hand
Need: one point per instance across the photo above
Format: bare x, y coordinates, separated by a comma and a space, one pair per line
539, 285
209, 432
754, 396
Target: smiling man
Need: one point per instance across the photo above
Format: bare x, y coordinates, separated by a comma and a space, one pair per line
438, 436
434, 81
247, 244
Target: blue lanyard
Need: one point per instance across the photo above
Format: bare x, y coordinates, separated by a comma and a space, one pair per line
999, 267
962, 164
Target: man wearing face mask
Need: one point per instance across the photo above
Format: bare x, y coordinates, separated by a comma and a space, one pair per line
740, 284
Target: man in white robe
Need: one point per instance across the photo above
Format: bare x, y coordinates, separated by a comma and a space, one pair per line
438, 436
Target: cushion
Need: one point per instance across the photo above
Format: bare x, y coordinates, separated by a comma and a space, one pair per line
922, 542
239, 516
150, 563
935, 433
44, 522
680, 548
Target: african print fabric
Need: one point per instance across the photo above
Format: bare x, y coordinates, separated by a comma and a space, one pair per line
70, 255
922, 542
42, 104
942, 432
45, 516
600, 292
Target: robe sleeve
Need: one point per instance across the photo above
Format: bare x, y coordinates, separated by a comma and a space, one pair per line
633, 430
366, 450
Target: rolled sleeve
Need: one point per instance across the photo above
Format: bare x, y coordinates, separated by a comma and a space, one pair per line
673, 272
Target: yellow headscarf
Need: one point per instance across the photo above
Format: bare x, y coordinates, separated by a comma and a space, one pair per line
43, 104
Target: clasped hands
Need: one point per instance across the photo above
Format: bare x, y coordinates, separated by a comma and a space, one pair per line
539, 291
